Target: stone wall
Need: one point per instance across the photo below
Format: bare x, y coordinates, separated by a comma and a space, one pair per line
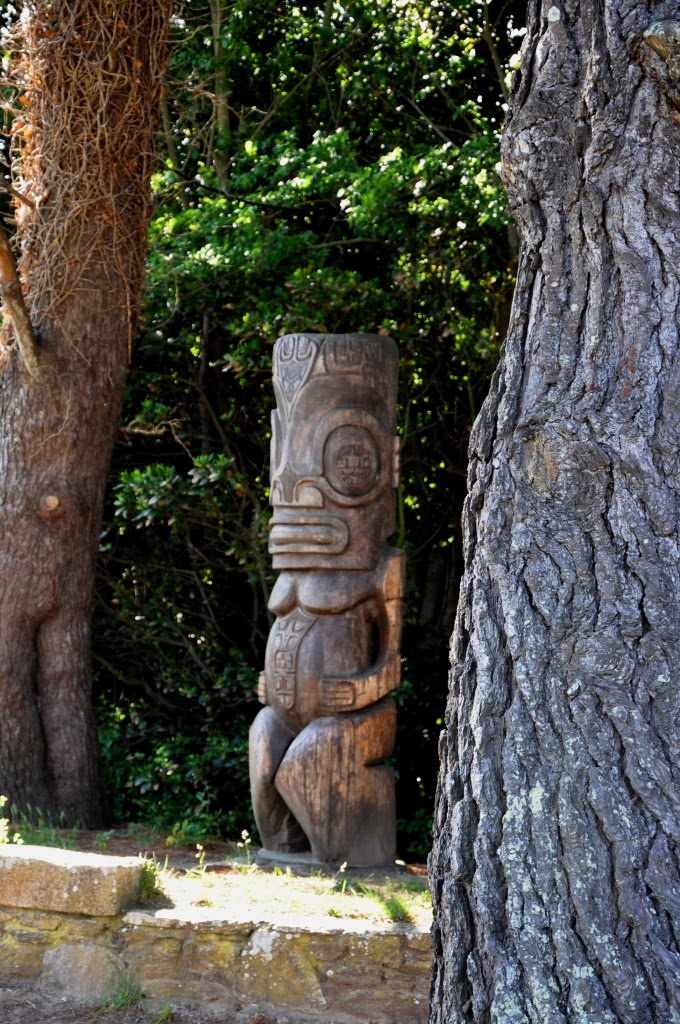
299, 970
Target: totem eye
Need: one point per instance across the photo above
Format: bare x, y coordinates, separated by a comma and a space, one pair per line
351, 461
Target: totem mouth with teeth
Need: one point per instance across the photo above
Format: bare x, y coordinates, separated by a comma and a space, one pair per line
298, 534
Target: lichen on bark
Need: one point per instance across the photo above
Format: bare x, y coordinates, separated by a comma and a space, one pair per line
554, 869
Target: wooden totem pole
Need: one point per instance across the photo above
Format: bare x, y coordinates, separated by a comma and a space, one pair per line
317, 750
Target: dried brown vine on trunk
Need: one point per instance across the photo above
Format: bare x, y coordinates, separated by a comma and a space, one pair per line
88, 81
555, 864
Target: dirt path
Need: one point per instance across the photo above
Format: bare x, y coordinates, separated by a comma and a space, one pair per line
23, 1005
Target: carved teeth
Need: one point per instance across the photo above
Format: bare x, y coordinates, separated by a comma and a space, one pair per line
307, 534
290, 534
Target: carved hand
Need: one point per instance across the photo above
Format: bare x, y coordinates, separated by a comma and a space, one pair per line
337, 695
362, 690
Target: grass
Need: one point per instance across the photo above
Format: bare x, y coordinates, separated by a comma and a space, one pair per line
239, 885
199, 870
164, 1015
398, 899
380, 897
150, 883
102, 840
32, 828
126, 992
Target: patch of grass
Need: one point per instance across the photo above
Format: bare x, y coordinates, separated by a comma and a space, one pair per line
351, 887
36, 829
414, 885
102, 839
394, 907
397, 899
199, 870
150, 887
125, 992
164, 1015
136, 830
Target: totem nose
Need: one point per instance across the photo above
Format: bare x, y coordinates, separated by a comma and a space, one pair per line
291, 490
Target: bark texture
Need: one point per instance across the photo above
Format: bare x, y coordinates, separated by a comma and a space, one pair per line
555, 863
89, 71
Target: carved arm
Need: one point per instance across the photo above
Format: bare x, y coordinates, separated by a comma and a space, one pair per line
351, 694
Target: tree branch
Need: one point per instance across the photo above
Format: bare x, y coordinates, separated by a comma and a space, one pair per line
15, 307
6, 187
347, 243
487, 36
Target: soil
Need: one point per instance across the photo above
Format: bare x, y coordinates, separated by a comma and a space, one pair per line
224, 877
22, 1005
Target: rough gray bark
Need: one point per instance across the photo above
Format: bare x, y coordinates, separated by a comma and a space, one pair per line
555, 864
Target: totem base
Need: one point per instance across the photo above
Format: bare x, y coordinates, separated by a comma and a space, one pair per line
304, 863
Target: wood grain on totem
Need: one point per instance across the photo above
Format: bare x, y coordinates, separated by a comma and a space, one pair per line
317, 751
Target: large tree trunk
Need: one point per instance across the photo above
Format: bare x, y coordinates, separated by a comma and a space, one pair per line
555, 864
90, 75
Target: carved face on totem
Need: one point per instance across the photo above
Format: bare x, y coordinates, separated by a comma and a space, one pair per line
334, 462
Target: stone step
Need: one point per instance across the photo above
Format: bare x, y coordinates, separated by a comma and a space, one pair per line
42, 878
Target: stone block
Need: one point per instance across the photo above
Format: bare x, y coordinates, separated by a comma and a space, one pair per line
217, 950
40, 878
275, 969
155, 955
82, 973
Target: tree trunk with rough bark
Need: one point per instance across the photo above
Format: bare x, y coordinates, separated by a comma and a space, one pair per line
89, 76
555, 864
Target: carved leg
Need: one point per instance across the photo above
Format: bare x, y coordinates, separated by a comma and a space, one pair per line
269, 740
342, 798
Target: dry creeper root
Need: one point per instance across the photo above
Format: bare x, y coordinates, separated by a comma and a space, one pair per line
87, 83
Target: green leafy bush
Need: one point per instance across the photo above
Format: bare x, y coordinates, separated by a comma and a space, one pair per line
327, 168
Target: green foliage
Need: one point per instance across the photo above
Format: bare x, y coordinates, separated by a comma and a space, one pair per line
102, 840
192, 782
416, 830
327, 168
